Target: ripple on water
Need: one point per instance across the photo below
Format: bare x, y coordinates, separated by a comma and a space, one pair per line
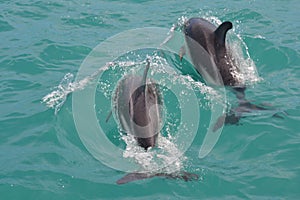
5, 26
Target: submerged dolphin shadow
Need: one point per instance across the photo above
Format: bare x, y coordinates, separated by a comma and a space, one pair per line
206, 45
138, 107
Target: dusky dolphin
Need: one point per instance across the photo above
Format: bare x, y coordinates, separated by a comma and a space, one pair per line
206, 45
138, 105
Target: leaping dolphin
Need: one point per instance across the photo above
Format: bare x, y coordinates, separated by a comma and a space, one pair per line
138, 106
206, 45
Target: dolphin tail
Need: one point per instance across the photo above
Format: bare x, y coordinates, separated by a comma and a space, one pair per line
186, 176
133, 177
235, 114
245, 105
228, 118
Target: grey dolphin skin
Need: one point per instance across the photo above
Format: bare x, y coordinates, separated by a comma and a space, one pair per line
138, 107
206, 45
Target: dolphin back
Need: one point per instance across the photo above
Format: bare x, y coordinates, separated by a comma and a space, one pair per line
207, 48
138, 108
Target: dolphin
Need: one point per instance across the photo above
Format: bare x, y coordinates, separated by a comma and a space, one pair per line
206, 45
138, 106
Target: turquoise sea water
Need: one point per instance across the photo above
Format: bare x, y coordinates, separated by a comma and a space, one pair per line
41, 153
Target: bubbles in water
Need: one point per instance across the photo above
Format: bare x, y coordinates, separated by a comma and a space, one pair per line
214, 20
165, 154
57, 98
247, 68
181, 21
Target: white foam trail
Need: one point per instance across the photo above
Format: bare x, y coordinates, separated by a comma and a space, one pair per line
57, 98
248, 72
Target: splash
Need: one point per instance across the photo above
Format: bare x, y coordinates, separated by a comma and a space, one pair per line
246, 69
160, 65
67, 85
166, 154
57, 98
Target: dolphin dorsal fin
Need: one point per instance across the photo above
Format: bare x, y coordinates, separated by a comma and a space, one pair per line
142, 87
144, 79
221, 31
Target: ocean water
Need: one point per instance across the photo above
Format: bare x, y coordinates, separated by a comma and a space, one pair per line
50, 148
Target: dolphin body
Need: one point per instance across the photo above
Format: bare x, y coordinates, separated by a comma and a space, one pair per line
206, 46
138, 106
